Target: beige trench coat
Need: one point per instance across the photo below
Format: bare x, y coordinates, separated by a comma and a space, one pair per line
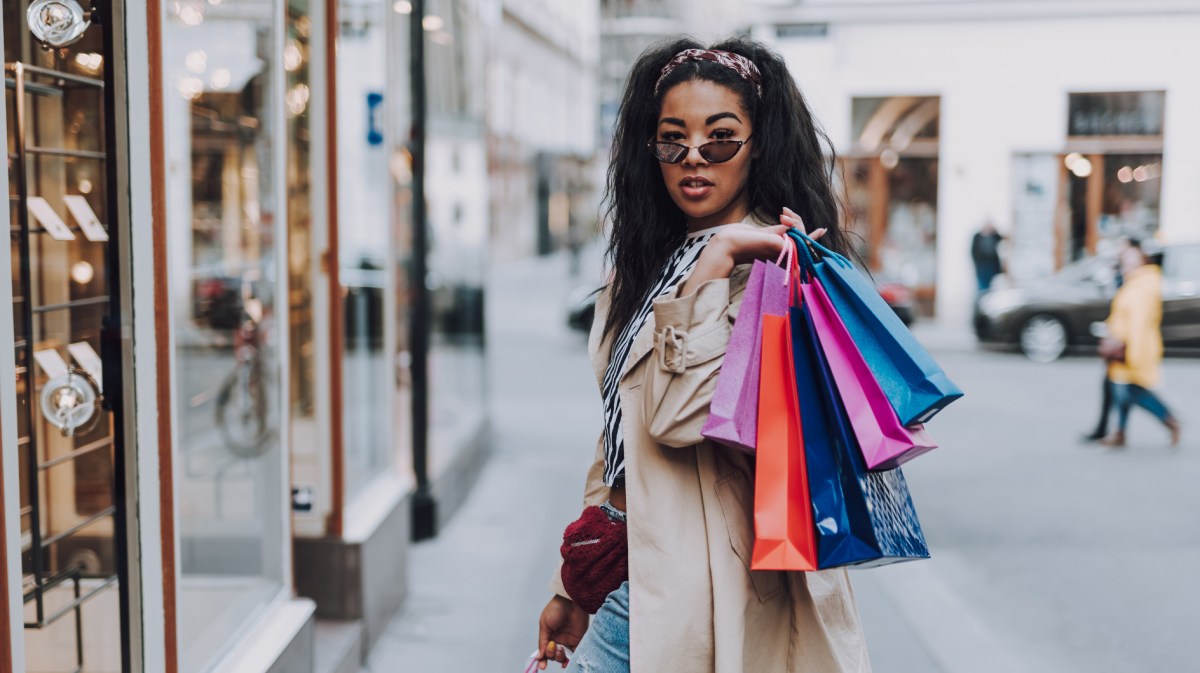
1136, 321
695, 606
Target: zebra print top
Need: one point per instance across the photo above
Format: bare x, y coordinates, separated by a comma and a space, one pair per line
675, 271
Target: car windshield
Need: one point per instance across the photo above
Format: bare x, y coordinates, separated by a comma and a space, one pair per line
1092, 268
1182, 262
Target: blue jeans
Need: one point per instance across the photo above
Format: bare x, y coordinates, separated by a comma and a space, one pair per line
605, 646
1125, 395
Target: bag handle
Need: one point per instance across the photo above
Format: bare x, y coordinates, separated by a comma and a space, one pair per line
826, 253
788, 252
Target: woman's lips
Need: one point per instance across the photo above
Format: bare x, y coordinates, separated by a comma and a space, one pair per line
695, 187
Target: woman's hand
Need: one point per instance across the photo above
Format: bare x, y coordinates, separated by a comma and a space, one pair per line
562, 623
741, 244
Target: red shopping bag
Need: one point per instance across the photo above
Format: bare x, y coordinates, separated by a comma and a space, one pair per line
784, 538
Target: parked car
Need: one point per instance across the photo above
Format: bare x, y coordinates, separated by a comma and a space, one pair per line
1046, 318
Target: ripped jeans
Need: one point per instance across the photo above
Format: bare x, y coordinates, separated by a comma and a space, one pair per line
605, 646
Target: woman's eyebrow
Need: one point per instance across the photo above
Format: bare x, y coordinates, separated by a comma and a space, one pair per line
721, 115
673, 120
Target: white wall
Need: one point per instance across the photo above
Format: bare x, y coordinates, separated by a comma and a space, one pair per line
1004, 88
542, 96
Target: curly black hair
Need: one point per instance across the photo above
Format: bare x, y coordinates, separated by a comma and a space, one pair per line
792, 165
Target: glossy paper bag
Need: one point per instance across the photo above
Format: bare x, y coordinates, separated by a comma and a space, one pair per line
884, 440
733, 412
861, 518
913, 382
783, 524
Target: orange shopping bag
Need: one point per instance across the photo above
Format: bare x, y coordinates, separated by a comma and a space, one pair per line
783, 525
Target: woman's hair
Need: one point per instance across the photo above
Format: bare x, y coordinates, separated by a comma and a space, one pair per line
792, 165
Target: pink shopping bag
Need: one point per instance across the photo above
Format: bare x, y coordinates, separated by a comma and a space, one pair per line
885, 442
733, 412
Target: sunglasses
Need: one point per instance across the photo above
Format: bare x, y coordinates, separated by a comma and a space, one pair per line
714, 152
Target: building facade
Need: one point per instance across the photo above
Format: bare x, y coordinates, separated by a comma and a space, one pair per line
1067, 124
541, 111
222, 421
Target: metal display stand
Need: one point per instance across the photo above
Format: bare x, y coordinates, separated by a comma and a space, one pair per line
30, 86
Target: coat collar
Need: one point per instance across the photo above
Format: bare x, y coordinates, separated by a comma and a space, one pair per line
643, 342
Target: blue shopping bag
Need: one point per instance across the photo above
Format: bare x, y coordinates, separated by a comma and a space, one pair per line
861, 518
913, 382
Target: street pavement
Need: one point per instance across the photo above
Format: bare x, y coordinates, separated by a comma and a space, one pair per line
1049, 555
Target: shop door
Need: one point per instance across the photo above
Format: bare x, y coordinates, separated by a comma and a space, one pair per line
68, 361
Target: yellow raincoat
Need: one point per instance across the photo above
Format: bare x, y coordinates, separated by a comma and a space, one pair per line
1136, 321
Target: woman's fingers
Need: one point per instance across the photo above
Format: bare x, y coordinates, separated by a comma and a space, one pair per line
818, 233
790, 217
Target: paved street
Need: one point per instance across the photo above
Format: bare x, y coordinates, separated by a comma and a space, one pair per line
1049, 555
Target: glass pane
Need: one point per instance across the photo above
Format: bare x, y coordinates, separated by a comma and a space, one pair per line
307, 442
457, 238
220, 131
364, 206
60, 298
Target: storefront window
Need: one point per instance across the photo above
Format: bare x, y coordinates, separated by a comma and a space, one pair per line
891, 183
1113, 170
220, 111
456, 182
364, 239
310, 495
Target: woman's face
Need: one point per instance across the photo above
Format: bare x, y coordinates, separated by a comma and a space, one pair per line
694, 113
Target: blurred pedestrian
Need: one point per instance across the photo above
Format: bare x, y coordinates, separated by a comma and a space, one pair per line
1134, 345
711, 146
985, 252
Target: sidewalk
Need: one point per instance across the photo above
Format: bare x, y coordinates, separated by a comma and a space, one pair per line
478, 587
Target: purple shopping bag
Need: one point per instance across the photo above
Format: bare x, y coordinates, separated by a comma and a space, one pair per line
733, 412
885, 442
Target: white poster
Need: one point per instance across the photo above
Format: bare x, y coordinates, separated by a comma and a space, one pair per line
82, 211
89, 360
50, 221
1035, 200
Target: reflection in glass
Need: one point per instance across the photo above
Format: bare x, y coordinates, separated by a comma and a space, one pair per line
457, 254
219, 114
306, 439
364, 197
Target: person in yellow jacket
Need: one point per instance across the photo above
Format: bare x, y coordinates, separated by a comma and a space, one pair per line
1136, 321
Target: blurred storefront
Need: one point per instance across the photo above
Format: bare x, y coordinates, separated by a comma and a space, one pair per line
210, 442
1046, 118
541, 118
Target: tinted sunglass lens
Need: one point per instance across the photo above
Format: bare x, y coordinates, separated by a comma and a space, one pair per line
716, 152
671, 153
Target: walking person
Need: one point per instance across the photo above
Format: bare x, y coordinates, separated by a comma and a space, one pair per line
985, 253
1134, 345
710, 148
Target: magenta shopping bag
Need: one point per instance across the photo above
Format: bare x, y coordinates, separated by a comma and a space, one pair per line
733, 412
885, 442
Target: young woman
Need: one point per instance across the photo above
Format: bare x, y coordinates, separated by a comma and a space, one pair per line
1136, 322
711, 149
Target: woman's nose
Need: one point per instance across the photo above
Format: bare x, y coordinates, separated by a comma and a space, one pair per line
694, 158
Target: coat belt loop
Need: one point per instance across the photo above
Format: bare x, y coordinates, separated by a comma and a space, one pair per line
677, 342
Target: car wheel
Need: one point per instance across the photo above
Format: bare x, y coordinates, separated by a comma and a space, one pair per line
1044, 338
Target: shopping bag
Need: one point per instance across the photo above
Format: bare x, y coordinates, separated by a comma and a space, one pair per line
783, 525
860, 517
914, 384
733, 412
884, 441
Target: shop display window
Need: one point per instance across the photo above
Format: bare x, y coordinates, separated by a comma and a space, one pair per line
67, 447
220, 110
364, 243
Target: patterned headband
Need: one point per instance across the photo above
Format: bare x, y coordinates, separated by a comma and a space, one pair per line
743, 66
